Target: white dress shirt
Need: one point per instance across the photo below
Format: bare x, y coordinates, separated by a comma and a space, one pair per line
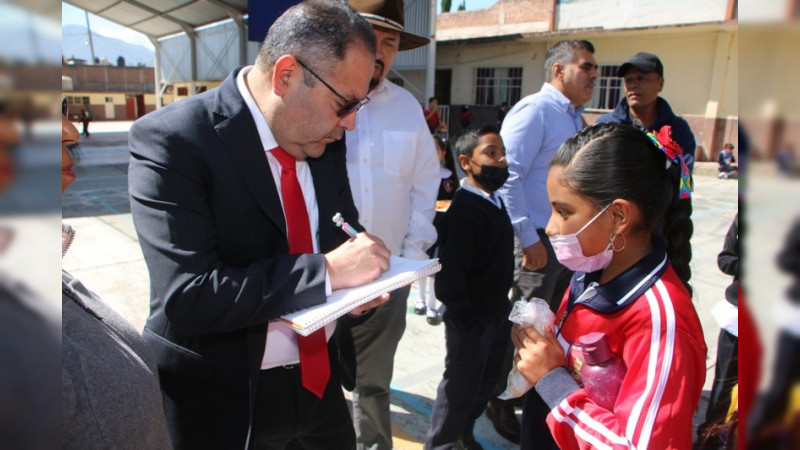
493, 198
394, 171
281, 348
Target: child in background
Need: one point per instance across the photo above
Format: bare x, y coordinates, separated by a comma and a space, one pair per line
432, 114
426, 303
621, 220
725, 161
476, 249
465, 115
726, 371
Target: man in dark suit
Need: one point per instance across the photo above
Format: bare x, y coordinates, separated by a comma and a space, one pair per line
212, 211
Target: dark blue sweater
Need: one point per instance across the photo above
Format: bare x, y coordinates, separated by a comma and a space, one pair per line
681, 132
477, 255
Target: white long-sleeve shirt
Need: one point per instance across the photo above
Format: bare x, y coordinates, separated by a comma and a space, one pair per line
532, 132
394, 171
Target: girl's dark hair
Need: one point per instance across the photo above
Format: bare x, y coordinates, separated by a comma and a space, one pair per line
609, 161
444, 144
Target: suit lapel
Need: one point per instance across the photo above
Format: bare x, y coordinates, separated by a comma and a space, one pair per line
322, 173
237, 131
330, 180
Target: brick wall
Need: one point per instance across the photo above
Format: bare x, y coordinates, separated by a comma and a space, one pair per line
504, 11
111, 78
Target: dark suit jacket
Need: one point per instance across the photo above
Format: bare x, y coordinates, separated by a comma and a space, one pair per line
212, 230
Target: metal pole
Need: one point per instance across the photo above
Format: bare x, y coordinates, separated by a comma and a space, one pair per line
159, 90
430, 72
89, 30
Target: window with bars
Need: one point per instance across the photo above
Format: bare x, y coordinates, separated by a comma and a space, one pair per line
608, 90
73, 100
494, 85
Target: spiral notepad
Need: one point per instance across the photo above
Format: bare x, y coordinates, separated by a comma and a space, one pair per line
401, 272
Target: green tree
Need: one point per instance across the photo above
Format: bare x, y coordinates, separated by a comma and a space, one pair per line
446, 4
463, 5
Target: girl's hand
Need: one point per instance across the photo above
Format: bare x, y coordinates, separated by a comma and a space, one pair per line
537, 354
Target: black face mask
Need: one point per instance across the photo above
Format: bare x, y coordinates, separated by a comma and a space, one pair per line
491, 177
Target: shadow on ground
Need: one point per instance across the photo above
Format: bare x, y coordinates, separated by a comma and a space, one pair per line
97, 191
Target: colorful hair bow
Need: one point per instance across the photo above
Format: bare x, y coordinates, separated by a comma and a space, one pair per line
663, 140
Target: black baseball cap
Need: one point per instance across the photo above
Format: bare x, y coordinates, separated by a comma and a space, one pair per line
646, 62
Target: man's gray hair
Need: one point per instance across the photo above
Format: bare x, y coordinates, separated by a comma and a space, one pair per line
319, 33
563, 52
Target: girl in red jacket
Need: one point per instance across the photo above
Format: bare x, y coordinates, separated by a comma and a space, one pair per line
621, 205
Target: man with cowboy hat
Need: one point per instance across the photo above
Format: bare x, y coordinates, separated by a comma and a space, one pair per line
394, 176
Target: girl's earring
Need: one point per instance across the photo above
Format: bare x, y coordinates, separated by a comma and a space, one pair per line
624, 243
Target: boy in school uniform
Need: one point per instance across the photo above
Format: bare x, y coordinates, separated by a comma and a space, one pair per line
477, 256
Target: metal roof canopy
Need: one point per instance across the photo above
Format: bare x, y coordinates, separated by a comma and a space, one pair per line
157, 19
160, 18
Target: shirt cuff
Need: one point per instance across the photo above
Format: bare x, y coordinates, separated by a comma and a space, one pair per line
328, 290
556, 386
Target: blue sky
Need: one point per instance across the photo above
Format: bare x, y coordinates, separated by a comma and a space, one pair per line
73, 15
471, 5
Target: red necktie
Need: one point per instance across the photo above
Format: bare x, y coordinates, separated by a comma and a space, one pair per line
315, 368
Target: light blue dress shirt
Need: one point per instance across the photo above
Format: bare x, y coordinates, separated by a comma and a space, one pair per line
532, 132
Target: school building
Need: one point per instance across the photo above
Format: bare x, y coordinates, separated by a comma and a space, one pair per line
489, 56
119, 93
108, 92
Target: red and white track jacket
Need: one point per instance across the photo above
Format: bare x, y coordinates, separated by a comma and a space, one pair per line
650, 322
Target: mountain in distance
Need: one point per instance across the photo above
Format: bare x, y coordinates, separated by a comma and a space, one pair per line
74, 44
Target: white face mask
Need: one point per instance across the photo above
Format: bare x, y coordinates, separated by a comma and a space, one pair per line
569, 252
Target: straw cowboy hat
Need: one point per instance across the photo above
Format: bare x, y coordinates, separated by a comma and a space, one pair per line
389, 15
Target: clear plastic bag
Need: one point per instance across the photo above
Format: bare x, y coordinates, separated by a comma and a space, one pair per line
535, 312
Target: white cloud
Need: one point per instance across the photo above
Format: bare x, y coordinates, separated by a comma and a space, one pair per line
126, 34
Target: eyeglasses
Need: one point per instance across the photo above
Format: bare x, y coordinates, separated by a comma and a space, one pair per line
350, 106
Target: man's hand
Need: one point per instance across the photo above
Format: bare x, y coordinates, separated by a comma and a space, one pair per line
534, 256
358, 261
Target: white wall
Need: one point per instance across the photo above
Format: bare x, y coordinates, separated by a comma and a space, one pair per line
217, 54
700, 63
612, 14
464, 59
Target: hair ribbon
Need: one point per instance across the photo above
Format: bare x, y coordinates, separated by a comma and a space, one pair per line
663, 140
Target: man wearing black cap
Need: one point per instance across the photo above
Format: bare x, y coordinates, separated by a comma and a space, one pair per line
394, 177
643, 79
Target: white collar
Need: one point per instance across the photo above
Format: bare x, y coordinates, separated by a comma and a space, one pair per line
267, 139
469, 187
